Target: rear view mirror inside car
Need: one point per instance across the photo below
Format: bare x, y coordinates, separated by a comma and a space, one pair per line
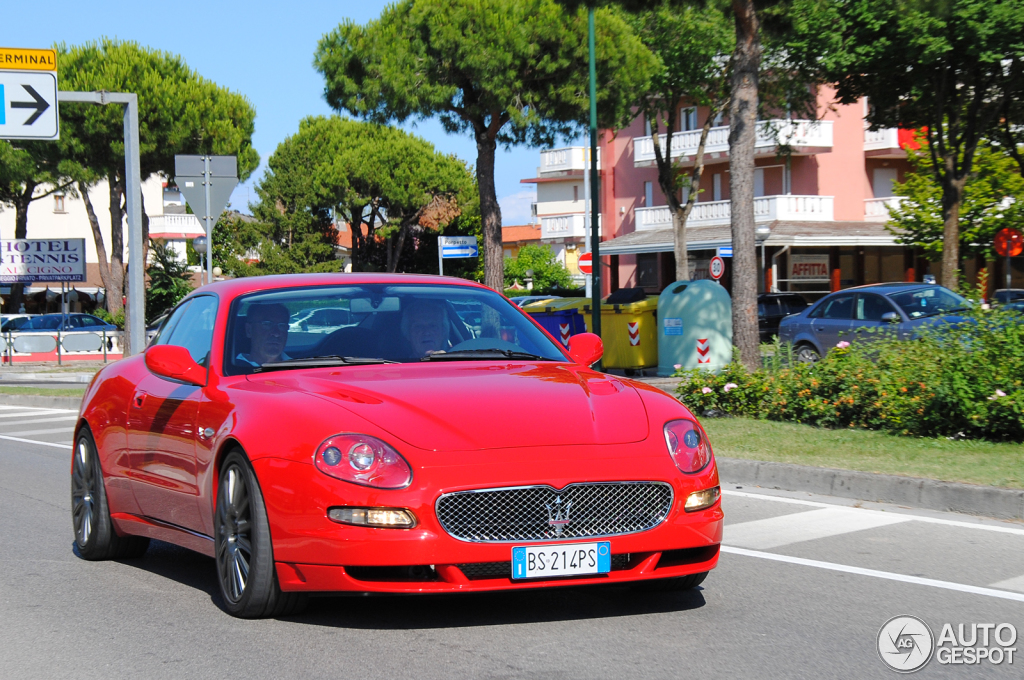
368, 305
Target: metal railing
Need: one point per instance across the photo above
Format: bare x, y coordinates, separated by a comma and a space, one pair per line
770, 134
58, 345
766, 209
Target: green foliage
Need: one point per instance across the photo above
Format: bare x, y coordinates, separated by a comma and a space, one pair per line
169, 280
993, 199
117, 318
962, 381
547, 271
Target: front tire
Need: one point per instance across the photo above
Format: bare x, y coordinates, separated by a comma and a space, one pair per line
95, 537
806, 354
244, 551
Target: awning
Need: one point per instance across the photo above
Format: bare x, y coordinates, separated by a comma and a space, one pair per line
795, 234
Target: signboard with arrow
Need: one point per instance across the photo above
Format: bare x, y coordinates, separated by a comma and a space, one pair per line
28, 94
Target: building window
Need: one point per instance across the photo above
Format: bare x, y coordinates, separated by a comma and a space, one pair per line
647, 270
688, 118
58, 203
575, 193
508, 253
648, 194
716, 184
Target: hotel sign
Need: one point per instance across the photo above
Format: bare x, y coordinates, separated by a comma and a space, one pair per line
35, 260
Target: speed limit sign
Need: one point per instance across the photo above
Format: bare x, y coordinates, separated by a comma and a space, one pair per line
716, 267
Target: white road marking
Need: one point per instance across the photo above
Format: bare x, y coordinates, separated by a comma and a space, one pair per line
7, 407
33, 420
915, 518
29, 414
1015, 583
776, 532
52, 430
33, 441
874, 573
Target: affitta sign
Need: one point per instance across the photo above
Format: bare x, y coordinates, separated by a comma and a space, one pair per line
35, 260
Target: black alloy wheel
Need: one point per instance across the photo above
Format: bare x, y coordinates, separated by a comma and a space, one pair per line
806, 354
95, 536
245, 556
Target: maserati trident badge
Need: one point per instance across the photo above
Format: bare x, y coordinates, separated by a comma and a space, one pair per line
558, 514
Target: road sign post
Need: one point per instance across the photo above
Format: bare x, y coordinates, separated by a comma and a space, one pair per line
206, 182
451, 247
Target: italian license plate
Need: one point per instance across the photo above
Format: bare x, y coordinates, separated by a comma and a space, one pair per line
552, 561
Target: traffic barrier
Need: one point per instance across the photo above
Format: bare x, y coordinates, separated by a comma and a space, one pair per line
74, 346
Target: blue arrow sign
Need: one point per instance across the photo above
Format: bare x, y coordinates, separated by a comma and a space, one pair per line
725, 251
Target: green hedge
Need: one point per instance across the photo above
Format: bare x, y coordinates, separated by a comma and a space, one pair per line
958, 381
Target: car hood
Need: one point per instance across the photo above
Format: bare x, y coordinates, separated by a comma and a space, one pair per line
481, 405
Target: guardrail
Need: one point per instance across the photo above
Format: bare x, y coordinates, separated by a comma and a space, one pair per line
53, 346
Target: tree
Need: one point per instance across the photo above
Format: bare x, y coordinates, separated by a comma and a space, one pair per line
169, 280
547, 271
692, 46
993, 198
506, 71
179, 113
937, 65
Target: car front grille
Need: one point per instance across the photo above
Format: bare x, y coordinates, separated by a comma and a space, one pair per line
542, 513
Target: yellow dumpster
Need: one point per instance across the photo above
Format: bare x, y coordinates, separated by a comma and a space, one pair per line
630, 334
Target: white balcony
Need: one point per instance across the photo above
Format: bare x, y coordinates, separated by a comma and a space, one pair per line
571, 159
564, 226
877, 209
189, 225
803, 136
766, 209
884, 143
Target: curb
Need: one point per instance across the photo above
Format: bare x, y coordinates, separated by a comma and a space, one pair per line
929, 494
41, 401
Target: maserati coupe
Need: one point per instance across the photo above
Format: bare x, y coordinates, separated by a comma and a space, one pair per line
407, 451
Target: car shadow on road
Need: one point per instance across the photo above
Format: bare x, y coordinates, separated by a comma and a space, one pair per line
424, 611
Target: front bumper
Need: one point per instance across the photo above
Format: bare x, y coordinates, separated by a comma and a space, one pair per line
314, 554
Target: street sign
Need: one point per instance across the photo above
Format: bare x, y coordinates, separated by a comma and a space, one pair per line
458, 246
724, 251
586, 263
29, 105
22, 59
716, 267
1009, 242
206, 182
32, 260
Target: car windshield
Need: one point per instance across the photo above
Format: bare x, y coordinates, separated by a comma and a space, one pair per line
930, 301
377, 323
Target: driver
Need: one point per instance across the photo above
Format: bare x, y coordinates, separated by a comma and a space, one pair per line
266, 326
425, 326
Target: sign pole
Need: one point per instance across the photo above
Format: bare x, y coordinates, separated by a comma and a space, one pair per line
206, 218
595, 186
133, 200
440, 256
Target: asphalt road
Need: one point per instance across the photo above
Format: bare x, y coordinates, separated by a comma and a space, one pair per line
801, 592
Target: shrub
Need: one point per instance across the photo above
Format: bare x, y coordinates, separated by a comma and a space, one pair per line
956, 380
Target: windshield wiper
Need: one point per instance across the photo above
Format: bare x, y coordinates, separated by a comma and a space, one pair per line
319, 362
483, 353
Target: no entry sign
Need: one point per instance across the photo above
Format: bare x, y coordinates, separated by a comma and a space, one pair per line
1009, 242
586, 263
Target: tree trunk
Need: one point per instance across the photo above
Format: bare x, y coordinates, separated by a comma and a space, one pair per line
21, 231
490, 213
115, 291
97, 237
742, 136
952, 196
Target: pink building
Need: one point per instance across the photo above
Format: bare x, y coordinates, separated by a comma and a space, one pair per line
820, 211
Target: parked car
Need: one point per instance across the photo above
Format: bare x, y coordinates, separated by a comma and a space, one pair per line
373, 461
1011, 299
523, 300
319, 320
840, 316
13, 322
772, 308
67, 323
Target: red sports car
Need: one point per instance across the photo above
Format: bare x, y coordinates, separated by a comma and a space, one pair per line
436, 440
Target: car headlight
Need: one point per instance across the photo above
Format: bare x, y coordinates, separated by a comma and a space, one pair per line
687, 445
362, 459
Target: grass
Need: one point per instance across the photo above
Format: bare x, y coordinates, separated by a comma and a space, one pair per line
973, 462
44, 391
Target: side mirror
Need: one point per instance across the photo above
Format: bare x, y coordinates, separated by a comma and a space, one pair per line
891, 317
586, 349
171, 361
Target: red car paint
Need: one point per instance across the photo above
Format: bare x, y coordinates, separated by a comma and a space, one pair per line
448, 420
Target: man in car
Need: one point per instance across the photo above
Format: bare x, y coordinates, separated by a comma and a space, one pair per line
425, 327
266, 326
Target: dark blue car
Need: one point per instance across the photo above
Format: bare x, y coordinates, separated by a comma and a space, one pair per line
840, 316
67, 323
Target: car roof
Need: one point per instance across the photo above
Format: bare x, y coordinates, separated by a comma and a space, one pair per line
232, 288
890, 287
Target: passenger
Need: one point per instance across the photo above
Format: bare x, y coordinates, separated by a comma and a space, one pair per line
425, 327
266, 326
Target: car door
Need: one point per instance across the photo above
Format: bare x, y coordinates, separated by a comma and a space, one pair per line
867, 315
162, 424
832, 320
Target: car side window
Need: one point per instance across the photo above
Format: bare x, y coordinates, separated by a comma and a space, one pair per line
194, 330
794, 305
871, 307
839, 307
163, 337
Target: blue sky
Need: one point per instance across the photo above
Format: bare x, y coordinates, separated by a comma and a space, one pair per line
261, 49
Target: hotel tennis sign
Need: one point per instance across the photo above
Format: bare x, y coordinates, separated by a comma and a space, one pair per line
35, 260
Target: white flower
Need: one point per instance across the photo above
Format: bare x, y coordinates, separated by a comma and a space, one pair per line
842, 344
706, 390
729, 386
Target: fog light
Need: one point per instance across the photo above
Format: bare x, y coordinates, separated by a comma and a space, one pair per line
395, 518
698, 500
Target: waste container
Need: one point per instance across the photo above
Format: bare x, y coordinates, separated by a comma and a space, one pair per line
630, 334
581, 305
561, 323
694, 326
